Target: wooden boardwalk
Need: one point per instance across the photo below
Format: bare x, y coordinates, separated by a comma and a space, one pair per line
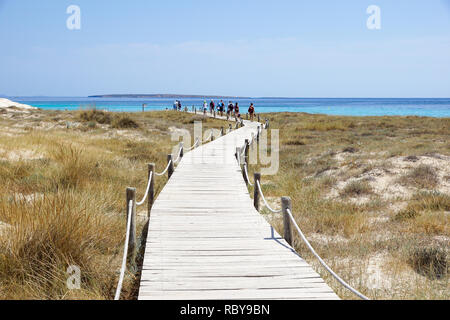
207, 241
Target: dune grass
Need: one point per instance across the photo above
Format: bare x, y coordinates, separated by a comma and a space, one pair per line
62, 202
64, 176
371, 194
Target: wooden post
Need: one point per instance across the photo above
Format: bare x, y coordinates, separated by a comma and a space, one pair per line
237, 124
257, 135
238, 154
171, 167
257, 177
243, 173
182, 150
247, 147
246, 116
267, 123
231, 127
195, 110
258, 118
214, 113
286, 204
131, 195
221, 131
151, 192
212, 137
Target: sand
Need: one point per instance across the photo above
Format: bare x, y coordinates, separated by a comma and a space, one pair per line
11, 106
384, 174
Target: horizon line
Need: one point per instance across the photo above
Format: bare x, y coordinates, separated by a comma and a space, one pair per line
206, 96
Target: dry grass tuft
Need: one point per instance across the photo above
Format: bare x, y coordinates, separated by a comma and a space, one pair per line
424, 176
50, 234
95, 116
356, 188
431, 262
425, 202
124, 122
75, 167
117, 121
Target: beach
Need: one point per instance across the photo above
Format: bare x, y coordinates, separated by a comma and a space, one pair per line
332, 106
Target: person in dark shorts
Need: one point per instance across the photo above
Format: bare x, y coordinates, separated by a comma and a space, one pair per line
221, 108
251, 111
236, 111
230, 108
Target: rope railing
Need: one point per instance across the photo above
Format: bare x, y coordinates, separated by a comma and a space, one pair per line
246, 175
165, 170
179, 154
146, 190
193, 146
125, 253
339, 279
264, 199
288, 217
130, 237
207, 139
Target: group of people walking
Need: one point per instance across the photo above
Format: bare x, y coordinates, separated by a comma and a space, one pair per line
232, 109
177, 105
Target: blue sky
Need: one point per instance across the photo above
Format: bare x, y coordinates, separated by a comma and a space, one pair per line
289, 48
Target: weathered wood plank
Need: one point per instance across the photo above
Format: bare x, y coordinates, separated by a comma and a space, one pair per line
207, 241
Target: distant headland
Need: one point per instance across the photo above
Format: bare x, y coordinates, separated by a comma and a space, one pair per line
166, 96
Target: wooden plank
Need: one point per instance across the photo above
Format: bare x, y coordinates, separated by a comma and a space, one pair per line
243, 294
207, 241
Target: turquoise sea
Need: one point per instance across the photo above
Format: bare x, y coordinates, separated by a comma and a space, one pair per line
433, 107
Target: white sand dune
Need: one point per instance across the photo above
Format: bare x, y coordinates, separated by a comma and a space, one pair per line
5, 104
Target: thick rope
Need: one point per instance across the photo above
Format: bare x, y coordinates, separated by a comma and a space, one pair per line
125, 253
146, 191
207, 139
345, 284
243, 151
246, 174
165, 170
264, 199
193, 146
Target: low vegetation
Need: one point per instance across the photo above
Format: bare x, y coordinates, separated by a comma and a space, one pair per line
62, 202
372, 195
356, 188
423, 176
